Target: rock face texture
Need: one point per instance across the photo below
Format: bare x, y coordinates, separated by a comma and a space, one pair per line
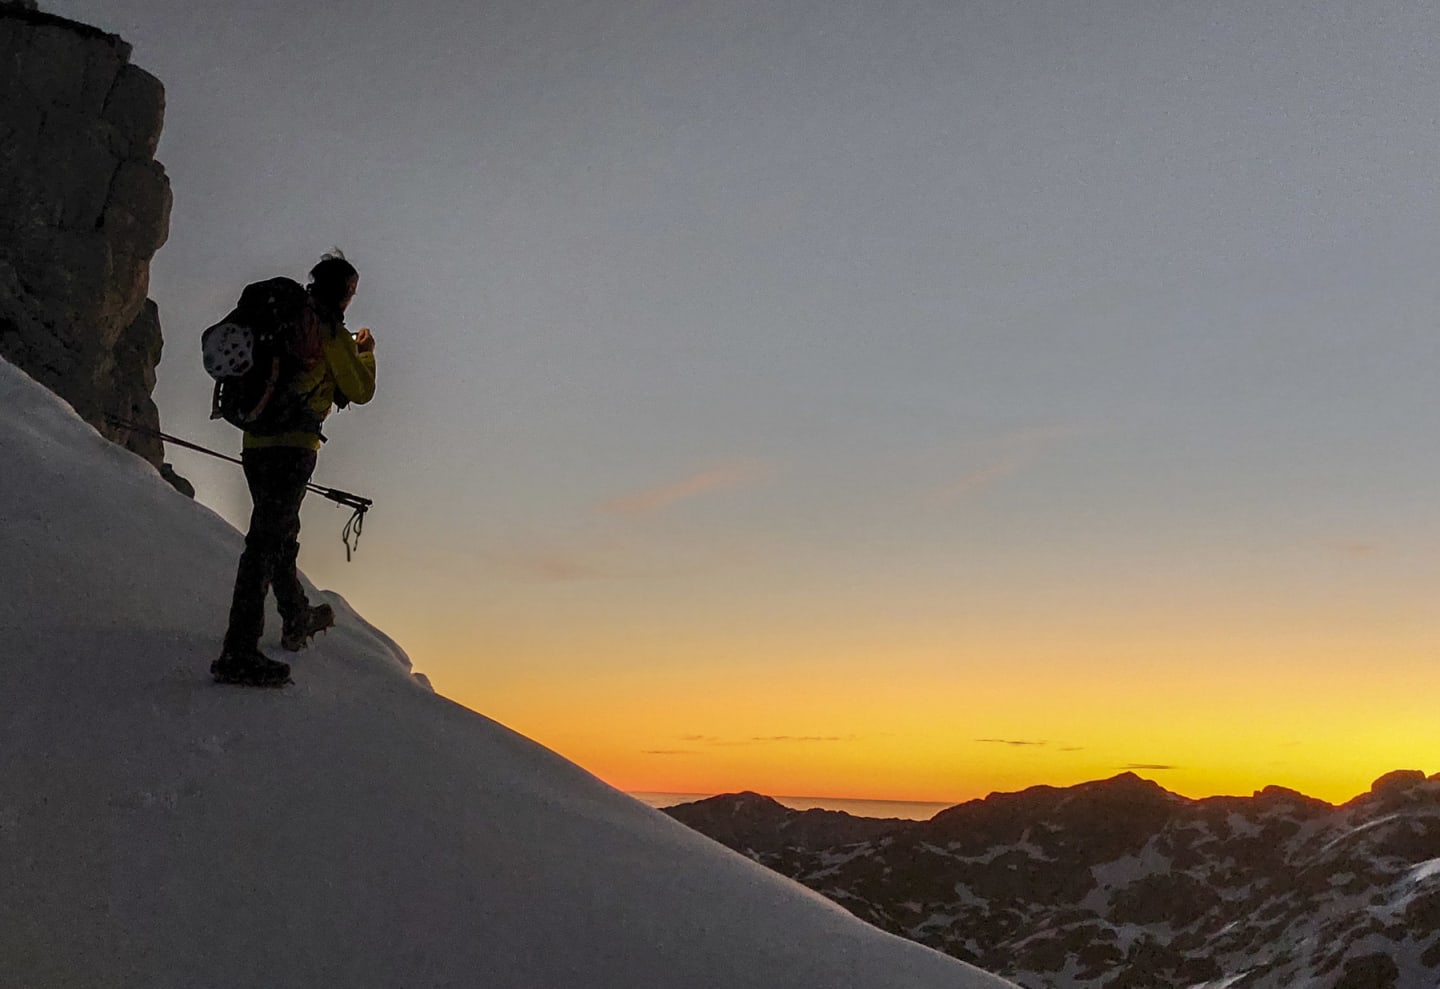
1120, 884
84, 206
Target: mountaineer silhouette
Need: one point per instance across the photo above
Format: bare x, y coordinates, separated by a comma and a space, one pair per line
282, 359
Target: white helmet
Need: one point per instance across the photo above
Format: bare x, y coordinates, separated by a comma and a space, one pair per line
228, 350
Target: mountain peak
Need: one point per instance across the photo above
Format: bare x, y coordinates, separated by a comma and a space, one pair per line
1399, 787
1398, 781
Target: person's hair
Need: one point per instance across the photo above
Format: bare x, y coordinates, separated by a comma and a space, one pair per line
330, 279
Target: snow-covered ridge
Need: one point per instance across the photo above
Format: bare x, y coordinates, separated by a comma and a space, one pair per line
353, 830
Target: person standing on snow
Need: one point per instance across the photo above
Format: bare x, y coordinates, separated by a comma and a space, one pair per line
332, 368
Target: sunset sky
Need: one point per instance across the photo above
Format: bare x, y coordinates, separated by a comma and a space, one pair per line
897, 399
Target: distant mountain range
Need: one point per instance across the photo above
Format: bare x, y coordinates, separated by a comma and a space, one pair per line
1122, 884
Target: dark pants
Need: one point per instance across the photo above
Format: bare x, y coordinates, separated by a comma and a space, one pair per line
277, 477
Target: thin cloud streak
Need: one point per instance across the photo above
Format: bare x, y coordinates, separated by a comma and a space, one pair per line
804, 738
1354, 548
652, 500
1150, 766
977, 480
1025, 743
1007, 455
592, 556
548, 566
1010, 741
767, 739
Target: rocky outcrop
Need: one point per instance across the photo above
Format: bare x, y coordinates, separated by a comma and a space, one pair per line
1119, 883
84, 206
756, 825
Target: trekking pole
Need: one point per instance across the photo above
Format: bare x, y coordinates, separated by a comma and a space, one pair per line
357, 504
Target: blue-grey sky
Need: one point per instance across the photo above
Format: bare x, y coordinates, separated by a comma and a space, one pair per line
1088, 344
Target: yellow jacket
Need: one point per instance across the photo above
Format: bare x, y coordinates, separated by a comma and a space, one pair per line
337, 368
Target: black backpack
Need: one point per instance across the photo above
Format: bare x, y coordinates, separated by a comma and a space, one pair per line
250, 354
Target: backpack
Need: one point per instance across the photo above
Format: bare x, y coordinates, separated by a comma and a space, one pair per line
250, 354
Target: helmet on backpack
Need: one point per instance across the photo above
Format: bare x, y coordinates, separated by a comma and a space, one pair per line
228, 350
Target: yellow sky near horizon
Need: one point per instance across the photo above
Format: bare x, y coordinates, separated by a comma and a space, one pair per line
848, 689
924, 724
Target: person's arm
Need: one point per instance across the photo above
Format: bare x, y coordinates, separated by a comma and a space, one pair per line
353, 368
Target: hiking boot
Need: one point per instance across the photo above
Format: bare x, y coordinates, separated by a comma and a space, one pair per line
250, 668
297, 636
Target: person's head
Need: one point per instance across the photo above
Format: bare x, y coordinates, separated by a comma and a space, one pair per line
333, 281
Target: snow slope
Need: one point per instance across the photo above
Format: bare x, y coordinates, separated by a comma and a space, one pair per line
355, 829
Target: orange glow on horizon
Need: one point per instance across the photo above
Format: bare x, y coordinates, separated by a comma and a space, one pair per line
823, 699
865, 736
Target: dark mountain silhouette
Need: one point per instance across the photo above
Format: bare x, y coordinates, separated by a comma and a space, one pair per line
752, 823
1061, 887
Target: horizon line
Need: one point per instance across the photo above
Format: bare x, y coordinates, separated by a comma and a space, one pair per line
705, 794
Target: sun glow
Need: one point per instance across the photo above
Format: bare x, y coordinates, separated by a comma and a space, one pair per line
916, 728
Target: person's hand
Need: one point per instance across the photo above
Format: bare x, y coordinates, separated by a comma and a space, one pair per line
365, 341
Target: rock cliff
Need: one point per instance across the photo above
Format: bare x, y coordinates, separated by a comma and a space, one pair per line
84, 206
